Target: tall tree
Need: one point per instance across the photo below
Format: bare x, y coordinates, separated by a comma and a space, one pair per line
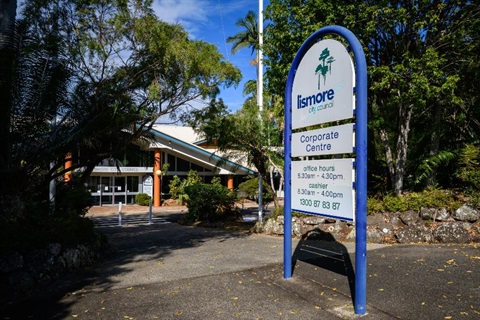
240, 136
94, 76
248, 37
412, 50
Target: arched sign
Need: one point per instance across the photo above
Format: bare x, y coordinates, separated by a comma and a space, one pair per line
327, 84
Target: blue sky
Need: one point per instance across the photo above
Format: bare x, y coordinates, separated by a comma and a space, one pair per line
214, 21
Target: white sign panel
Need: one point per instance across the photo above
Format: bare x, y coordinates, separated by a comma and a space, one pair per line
148, 185
323, 85
324, 187
331, 140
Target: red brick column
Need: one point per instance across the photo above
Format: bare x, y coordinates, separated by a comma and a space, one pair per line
67, 176
157, 167
230, 182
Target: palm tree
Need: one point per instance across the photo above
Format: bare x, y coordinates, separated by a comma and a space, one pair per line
248, 38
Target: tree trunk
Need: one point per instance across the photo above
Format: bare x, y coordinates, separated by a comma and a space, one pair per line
402, 147
435, 139
388, 153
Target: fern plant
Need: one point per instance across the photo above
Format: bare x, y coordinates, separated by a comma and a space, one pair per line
469, 167
426, 170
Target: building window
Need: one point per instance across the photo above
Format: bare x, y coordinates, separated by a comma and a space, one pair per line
196, 167
182, 165
132, 184
171, 162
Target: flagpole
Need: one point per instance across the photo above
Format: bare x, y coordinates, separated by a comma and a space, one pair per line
260, 96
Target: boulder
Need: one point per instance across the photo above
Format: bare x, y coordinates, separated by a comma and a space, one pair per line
443, 215
466, 213
414, 234
374, 236
452, 232
409, 217
428, 213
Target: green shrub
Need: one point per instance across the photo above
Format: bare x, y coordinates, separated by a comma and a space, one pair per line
143, 199
249, 190
210, 202
469, 168
428, 198
39, 223
177, 186
278, 211
72, 200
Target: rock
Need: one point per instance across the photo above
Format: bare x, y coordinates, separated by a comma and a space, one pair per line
443, 215
375, 220
296, 228
272, 226
409, 217
393, 219
414, 234
313, 220
258, 227
428, 213
466, 213
452, 232
374, 236
351, 235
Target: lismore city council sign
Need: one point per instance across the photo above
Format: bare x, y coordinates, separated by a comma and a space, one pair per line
322, 88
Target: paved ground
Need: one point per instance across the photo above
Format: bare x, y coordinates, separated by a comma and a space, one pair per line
169, 271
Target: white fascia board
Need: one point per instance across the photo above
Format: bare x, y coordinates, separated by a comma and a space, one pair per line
200, 155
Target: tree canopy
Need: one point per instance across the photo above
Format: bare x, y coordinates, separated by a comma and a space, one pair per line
90, 77
422, 60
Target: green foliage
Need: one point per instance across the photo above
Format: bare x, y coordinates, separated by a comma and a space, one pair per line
278, 211
72, 200
242, 136
30, 234
178, 186
210, 202
428, 198
247, 38
469, 168
143, 199
429, 166
39, 224
249, 189
423, 64
76, 87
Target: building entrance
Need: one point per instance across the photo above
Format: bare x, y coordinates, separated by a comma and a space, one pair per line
114, 189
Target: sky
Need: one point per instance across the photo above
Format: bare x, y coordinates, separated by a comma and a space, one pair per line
214, 21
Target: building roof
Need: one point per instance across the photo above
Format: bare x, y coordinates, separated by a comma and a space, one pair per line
186, 134
181, 140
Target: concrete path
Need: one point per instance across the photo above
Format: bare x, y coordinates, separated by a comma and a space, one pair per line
168, 271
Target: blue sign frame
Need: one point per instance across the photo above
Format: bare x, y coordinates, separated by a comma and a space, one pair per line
360, 159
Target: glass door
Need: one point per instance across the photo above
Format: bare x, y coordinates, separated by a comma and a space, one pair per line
118, 186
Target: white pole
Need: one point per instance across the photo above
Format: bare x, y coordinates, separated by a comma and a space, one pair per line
260, 198
260, 58
150, 218
119, 213
260, 96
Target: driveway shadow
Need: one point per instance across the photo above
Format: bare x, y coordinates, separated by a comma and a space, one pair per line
319, 248
130, 248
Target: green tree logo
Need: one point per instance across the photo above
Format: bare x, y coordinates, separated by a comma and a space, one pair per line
325, 66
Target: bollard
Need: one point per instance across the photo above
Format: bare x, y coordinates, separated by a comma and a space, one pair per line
150, 219
119, 213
